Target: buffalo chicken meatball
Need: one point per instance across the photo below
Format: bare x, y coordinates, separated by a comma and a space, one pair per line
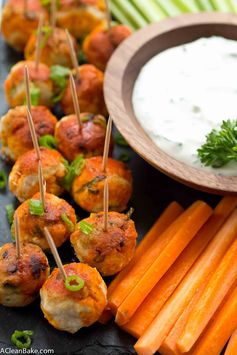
41, 86
59, 218
15, 133
100, 44
71, 310
54, 47
23, 178
17, 25
88, 187
80, 17
89, 89
21, 278
108, 250
88, 142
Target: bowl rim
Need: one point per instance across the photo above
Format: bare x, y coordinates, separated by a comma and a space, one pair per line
138, 139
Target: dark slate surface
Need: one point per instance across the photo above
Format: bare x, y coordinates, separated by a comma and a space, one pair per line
152, 192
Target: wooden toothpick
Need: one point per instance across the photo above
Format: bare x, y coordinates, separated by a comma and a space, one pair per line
107, 144
33, 133
29, 115
55, 252
73, 55
108, 15
17, 236
27, 87
106, 204
53, 10
42, 184
38, 43
75, 101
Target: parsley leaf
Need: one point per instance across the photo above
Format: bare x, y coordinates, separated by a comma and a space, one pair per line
221, 145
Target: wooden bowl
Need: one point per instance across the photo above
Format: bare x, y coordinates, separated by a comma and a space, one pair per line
123, 70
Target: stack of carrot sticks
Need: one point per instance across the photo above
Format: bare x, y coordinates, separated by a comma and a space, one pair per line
179, 293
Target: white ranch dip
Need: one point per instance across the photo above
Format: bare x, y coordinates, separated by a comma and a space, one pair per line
184, 92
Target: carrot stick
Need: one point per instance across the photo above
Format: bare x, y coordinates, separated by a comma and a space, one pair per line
167, 217
169, 345
105, 316
232, 345
219, 329
215, 291
166, 286
181, 238
143, 263
155, 334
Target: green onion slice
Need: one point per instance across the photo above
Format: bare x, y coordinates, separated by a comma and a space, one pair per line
100, 120
85, 227
65, 219
48, 141
74, 283
3, 179
22, 338
10, 213
36, 208
74, 170
124, 157
34, 94
47, 32
59, 75
120, 140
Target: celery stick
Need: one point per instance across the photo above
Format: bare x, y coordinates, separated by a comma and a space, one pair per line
149, 9
131, 12
205, 5
169, 7
187, 5
221, 5
233, 5
120, 16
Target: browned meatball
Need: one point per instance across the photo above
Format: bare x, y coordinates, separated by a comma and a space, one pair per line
88, 187
18, 26
21, 279
41, 84
89, 91
100, 44
23, 178
70, 311
54, 47
80, 17
59, 218
109, 251
88, 142
15, 133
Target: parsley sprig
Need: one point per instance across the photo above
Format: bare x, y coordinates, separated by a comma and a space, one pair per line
221, 145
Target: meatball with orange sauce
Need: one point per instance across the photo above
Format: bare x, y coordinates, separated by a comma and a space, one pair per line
54, 47
100, 44
59, 218
15, 134
89, 141
23, 178
80, 17
108, 250
71, 310
89, 87
88, 186
41, 86
17, 26
21, 278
